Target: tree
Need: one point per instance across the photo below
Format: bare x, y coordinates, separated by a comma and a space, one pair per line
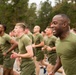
43, 19
68, 9
31, 15
12, 11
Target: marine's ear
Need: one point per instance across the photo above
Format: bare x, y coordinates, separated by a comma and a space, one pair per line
65, 24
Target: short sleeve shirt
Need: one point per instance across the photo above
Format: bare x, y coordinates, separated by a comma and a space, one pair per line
31, 36
50, 41
38, 38
24, 41
66, 50
4, 42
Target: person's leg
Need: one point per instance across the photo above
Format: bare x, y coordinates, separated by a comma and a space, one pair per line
37, 67
11, 72
16, 72
1, 70
6, 71
39, 58
60, 70
44, 64
8, 65
50, 68
63, 73
52, 61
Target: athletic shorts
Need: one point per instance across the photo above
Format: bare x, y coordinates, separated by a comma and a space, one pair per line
39, 55
27, 68
52, 58
8, 62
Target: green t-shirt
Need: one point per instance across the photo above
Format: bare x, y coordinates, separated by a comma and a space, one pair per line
50, 41
52, 56
24, 41
31, 36
38, 38
66, 50
4, 42
27, 65
5, 45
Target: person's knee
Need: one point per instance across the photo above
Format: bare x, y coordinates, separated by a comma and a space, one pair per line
49, 67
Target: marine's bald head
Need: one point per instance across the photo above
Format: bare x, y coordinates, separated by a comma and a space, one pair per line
36, 29
62, 17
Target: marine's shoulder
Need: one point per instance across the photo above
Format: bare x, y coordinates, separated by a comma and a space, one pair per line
6, 36
54, 37
25, 37
72, 36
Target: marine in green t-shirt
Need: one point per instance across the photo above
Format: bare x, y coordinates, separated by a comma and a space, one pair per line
50, 47
66, 50
25, 62
52, 56
38, 38
7, 44
38, 44
25, 51
65, 45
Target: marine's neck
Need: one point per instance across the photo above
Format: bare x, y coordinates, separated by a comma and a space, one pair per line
64, 35
2, 33
20, 34
50, 35
36, 33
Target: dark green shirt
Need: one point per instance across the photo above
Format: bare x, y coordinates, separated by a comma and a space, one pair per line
24, 41
38, 38
4, 42
27, 65
50, 41
66, 50
31, 36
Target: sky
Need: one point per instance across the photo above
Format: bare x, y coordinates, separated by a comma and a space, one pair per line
38, 1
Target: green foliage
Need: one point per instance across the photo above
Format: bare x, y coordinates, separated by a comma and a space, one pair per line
44, 14
68, 9
31, 15
13, 11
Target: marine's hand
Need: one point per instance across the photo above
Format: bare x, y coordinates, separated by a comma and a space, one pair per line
14, 55
49, 48
33, 45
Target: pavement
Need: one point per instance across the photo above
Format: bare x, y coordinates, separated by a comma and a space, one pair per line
42, 73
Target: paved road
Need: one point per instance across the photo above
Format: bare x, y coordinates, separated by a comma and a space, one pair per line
41, 73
